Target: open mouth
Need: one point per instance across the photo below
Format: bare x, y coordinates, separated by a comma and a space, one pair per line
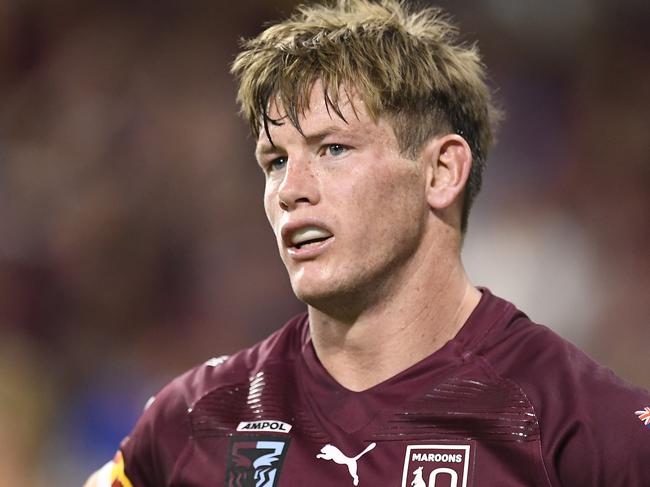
310, 236
311, 243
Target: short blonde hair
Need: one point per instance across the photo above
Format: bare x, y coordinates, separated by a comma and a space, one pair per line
405, 65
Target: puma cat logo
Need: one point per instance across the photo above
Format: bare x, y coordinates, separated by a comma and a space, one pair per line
330, 452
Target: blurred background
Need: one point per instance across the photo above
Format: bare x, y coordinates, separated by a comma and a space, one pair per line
133, 243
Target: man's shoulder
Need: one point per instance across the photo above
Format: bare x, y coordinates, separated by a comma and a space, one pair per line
168, 422
585, 412
544, 364
225, 370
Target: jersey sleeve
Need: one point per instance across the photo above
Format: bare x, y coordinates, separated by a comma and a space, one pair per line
146, 458
590, 430
601, 441
112, 474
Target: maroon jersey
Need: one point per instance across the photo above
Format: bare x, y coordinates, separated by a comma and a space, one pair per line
505, 403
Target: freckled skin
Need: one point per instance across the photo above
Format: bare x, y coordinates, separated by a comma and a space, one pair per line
371, 197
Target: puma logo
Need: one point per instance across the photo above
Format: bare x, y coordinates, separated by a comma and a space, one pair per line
330, 452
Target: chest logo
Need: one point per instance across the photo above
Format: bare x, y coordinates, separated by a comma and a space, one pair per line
436, 465
255, 461
267, 426
330, 452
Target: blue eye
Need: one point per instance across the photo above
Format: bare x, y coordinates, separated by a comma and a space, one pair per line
278, 163
336, 149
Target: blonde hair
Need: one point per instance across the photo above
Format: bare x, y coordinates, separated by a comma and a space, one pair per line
405, 65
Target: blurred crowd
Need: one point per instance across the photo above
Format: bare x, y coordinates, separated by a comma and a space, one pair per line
133, 243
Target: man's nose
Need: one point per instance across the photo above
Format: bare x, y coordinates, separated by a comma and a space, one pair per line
299, 186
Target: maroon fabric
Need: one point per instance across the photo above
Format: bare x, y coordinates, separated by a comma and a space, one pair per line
505, 403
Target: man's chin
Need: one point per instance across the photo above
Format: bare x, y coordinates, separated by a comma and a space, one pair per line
315, 294
312, 295
336, 301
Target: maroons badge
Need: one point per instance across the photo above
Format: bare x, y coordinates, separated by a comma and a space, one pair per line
255, 461
436, 466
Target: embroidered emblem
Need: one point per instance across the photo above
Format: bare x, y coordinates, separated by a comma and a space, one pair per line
436, 465
330, 452
644, 416
255, 460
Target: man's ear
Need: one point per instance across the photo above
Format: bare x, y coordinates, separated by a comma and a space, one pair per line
449, 160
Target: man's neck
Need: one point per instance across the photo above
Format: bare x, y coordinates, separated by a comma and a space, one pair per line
412, 322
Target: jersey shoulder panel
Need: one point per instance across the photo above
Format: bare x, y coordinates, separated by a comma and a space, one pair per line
160, 434
590, 434
156, 444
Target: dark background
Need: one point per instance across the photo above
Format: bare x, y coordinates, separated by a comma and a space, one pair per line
133, 243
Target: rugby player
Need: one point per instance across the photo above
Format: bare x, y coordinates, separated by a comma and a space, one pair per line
373, 124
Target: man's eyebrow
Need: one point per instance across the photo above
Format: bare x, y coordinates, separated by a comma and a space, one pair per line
324, 132
267, 147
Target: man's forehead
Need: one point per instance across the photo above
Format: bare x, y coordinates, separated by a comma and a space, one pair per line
322, 115
345, 100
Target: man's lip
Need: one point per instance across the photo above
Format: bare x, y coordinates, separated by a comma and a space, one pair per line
310, 252
289, 228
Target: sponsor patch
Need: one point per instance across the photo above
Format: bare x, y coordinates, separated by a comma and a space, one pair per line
254, 460
436, 466
268, 426
644, 416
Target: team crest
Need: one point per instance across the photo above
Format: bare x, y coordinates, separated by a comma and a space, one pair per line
436, 466
255, 461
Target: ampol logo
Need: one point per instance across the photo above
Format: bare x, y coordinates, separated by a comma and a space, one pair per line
436, 466
267, 426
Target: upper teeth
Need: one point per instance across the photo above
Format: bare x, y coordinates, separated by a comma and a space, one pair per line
308, 233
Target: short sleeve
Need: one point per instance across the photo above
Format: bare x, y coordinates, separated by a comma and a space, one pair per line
589, 431
152, 449
606, 444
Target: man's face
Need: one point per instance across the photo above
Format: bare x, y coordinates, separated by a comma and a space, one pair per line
348, 210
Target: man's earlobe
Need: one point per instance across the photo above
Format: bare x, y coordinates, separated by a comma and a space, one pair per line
449, 159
